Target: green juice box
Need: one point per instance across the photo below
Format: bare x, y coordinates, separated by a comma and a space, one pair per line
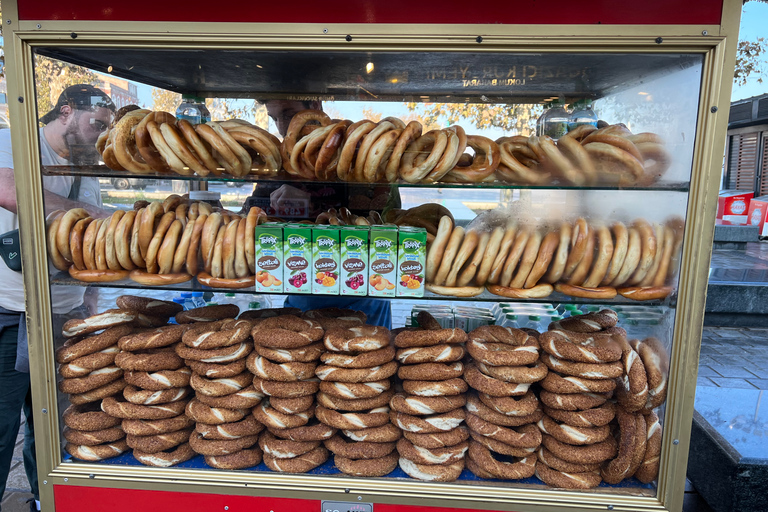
354, 260
383, 261
325, 260
297, 255
411, 262
269, 258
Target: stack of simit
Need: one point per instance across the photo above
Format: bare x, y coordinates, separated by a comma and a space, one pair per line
502, 415
355, 390
431, 408
87, 365
153, 411
215, 349
584, 356
287, 349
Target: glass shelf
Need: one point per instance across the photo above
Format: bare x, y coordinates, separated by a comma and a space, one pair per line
63, 279
102, 171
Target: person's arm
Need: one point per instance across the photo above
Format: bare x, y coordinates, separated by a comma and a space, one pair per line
52, 201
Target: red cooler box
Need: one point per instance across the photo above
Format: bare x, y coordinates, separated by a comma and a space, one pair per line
733, 206
758, 214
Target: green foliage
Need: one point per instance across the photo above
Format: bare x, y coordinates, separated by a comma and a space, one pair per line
53, 76
165, 100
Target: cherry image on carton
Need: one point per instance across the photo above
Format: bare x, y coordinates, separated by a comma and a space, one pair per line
297, 245
269, 258
354, 260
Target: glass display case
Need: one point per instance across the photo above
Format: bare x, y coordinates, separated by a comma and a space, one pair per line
496, 212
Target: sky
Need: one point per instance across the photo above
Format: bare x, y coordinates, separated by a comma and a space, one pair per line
754, 20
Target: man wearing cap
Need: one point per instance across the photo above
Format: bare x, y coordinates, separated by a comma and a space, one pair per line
67, 138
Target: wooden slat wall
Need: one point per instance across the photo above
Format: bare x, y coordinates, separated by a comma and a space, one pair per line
742, 161
764, 167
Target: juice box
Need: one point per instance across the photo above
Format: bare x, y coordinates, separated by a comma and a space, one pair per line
269, 258
383, 261
411, 262
354, 259
325, 260
297, 246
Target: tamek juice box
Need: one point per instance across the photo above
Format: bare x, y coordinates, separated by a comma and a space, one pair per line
269, 258
411, 262
382, 261
354, 260
297, 255
325, 260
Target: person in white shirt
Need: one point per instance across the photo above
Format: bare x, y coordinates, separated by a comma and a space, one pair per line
68, 138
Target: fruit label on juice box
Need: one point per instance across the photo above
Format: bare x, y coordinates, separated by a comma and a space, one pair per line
354, 260
411, 262
325, 260
269, 258
382, 261
297, 242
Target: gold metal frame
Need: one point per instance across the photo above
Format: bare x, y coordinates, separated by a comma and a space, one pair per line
716, 42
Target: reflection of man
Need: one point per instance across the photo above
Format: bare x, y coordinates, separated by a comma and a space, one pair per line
68, 137
377, 310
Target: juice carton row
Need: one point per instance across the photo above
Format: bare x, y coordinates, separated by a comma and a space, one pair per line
377, 261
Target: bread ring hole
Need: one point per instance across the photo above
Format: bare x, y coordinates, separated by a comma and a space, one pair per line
467, 158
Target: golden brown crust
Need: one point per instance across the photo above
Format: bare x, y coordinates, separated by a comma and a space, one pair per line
154, 427
563, 480
88, 417
427, 388
158, 442
93, 437
479, 409
286, 389
284, 448
160, 380
239, 460
220, 447
367, 467
355, 404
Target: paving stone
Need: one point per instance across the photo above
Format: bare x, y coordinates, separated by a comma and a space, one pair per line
16, 501
760, 372
706, 371
710, 351
705, 382
17, 479
759, 383
17, 450
705, 360
728, 332
731, 371
725, 382
728, 360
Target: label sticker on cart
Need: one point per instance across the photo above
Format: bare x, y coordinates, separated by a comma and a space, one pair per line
346, 506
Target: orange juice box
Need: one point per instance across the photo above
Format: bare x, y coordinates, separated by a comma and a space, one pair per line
411, 261
325, 260
297, 245
354, 260
269, 258
382, 258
